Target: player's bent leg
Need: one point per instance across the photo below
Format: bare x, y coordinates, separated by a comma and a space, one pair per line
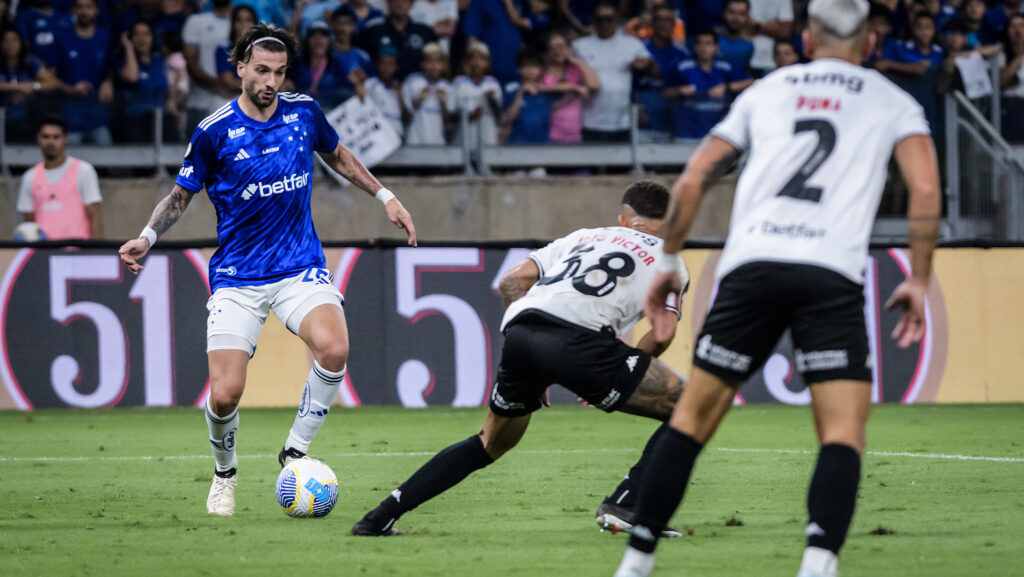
445, 470
704, 402
657, 393
841, 409
227, 381
500, 434
325, 332
654, 397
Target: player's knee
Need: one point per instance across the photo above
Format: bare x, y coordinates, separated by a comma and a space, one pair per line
334, 356
224, 399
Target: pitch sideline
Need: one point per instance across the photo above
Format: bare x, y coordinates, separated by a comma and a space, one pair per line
902, 454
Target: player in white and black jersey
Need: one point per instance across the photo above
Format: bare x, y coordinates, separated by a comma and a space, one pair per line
818, 137
565, 306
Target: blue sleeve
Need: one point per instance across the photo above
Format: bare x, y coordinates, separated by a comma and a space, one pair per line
474, 20
199, 163
736, 73
892, 50
326, 137
221, 58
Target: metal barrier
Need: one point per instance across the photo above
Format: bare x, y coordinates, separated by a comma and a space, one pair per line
471, 157
984, 176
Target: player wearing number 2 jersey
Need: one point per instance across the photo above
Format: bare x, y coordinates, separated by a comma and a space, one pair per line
254, 157
819, 138
565, 306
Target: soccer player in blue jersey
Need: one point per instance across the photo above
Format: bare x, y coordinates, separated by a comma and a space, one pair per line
254, 157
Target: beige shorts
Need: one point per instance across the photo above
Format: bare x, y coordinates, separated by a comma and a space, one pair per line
236, 314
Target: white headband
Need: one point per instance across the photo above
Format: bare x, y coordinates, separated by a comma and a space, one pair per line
265, 38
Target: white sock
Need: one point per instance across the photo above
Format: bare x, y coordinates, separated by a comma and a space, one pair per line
321, 387
820, 561
636, 562
222, 438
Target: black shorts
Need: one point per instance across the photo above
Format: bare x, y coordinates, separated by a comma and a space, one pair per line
758, 301
541, 351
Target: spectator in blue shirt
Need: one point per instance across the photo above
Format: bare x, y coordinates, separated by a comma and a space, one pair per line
655, 114
996, 18
151, 12
344, 24
40, 25
269, 11
534, 21
528, 104
702, 87
487, 21
880, 23
400, 31
322, 73
732, 46
243, 17
916, 63
143, 84
83, 67
21, 77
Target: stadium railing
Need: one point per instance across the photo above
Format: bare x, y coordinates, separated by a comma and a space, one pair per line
984, 176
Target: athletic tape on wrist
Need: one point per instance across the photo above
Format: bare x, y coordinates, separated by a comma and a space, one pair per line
384, 195
150, 235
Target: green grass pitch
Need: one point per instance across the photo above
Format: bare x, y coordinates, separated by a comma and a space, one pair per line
122, 492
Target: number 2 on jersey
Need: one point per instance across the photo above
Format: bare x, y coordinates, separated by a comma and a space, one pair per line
615, 265
797, 186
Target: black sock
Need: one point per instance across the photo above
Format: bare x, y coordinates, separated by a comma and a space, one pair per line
445, 470
832, 496
662, 487
625, 494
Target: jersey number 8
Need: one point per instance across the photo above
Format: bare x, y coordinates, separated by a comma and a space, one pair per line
614, 265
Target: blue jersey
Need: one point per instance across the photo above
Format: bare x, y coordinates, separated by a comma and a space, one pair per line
648, 89
737, 52
258, 176
695, 115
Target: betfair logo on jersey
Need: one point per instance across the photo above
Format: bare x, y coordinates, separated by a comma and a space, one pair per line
287, 184
290, 118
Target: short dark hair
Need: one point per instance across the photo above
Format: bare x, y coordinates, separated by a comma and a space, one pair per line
283, 42
344, 11
705, 32
955, 26
606, 4
784, 42
53, 120
528, 56
648, 198
727, 2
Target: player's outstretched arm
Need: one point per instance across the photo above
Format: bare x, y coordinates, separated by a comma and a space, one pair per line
516, 281
915, 156
166, 213
714, 158
346, 164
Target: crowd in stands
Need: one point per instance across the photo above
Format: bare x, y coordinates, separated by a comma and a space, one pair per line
520, 71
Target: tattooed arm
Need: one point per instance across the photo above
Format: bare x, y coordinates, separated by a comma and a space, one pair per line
346, 164
653, 347
166, 213
517, 281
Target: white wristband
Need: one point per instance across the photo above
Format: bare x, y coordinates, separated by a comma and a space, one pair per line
384, 195
150, 235
668, 263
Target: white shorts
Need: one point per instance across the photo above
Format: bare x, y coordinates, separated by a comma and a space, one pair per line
237, 314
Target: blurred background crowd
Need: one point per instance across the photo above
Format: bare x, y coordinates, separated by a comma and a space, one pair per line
491, 71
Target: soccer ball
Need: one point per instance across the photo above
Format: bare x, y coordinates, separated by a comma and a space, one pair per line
28, 232
307, 488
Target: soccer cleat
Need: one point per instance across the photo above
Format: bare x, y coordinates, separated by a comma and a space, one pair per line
222, 495
287, 455
611, 517
365, 528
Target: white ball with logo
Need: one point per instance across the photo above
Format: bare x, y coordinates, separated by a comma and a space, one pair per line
307, 487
